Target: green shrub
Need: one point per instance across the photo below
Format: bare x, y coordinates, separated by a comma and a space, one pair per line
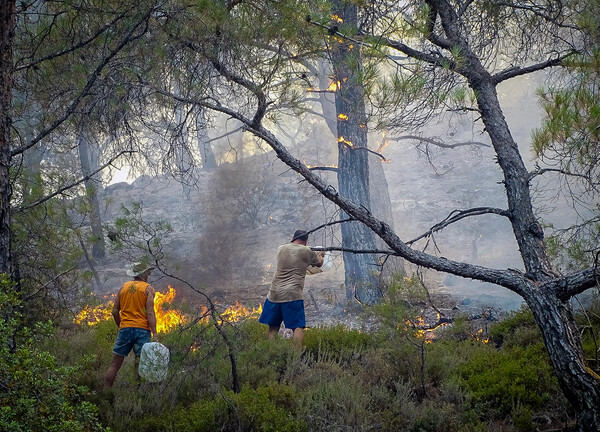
518, 329
501, 380
37, 393
340, 404
337, 343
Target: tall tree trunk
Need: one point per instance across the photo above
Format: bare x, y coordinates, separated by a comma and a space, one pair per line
361, 270
381, 207
91, 186
206, 152
553, 315
7, 33
578, 382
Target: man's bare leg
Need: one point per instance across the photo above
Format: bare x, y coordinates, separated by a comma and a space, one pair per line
273, 332
298, 338
113, 370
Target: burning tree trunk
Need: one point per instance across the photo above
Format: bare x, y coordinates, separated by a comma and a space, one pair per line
7, 33
361, 270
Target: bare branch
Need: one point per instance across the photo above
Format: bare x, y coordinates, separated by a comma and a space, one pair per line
330, 224
368, 150
540, 171
573, 284
226, 134
516, 71
323, 168
438, 143
355, 251
457, 215
249, 85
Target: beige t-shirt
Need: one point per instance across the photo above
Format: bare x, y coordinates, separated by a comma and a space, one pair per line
292, 261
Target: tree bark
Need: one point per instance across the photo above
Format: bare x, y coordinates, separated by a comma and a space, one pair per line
91, 187
579, 383
7, 33
553, 316
361, 270
206, 152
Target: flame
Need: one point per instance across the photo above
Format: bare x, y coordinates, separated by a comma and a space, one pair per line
383, 145
92, 315
423, 330
334, 86
337, 18
165, 318
345, 141
342, 117
238, 311
478, 336
169, 318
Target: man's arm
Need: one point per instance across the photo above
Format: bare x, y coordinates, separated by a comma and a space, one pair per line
150, 314
320, 255
116, 310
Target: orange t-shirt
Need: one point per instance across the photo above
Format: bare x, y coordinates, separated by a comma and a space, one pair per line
132, 299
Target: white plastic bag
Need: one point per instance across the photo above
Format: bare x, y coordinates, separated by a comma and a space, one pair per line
327, 264
154, 361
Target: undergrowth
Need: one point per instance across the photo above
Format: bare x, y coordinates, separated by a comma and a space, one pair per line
390, 379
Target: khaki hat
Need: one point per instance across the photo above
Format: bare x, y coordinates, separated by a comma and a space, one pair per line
138, 269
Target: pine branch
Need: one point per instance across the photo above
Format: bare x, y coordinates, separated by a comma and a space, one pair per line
86, 90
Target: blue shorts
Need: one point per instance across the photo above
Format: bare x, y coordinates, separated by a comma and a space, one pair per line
291, 313
131, 338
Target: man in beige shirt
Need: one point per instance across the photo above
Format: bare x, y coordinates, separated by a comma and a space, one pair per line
285, 300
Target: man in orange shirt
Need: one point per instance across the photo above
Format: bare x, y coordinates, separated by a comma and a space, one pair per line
133, 312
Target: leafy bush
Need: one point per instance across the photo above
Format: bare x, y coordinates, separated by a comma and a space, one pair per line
502, 380
250, 410
518, 329
37, 393
336, 342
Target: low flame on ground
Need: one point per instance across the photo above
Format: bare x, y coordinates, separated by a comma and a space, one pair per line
426, 331
342, 117
238, 311
92, 315
423, 330
166, 317
478, 336
337, 18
